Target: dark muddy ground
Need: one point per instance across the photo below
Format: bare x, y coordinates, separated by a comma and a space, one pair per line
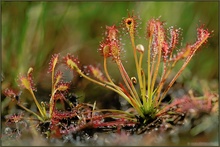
184, 122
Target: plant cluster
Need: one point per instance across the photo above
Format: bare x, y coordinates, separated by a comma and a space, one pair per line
142, 91
162, 53
55, 122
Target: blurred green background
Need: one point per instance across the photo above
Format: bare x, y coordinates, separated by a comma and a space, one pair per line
33, 31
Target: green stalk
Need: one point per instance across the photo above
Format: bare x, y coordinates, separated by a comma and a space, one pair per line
52, 103
130, 100
108, 76
184, 65
159, 88
147, 106
114, 110
119, 114
137, 67
38, 105
128, 81
28, 110
103, 85
163, 79
143, 90
156, 68
106, 71
176, 76
52, 79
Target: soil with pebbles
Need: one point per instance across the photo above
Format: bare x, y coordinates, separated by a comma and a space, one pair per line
184, 123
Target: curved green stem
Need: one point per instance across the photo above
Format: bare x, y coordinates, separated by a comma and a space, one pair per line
149, 98
176, 76
156, 68
52, 78
106, 71
114, 110
162, 82
51, 103
38, 105
138, 69
128, 81
108, 76
129, 99
143, 90
28, 110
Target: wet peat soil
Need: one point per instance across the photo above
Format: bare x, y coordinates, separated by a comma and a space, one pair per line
184, 122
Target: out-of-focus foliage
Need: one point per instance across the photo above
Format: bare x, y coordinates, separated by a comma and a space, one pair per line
33, 31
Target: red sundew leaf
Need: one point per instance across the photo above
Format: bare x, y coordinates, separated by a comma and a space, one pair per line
11, 93
58, 76
111, 42
202, 36
112, 32
27, 82
202, 33
156, 32
62, 86
150, 27
96, 72
59, 96
53, 62
174, 37
14, 118
113, 123
55, 129
71, 61
105, 49
186, 103
130, 23
184, 100
153, 26
165, 51
115, 50
30, 78
63, 114
187, 51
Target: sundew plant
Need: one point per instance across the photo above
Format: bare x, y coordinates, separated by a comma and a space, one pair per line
162, 53
143, 91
